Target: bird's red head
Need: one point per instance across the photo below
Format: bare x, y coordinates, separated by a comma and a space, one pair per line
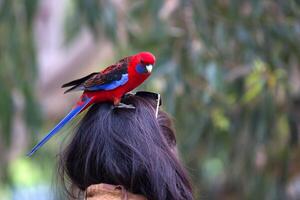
147, 58
145, 62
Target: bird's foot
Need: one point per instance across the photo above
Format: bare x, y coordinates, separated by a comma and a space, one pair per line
122, 105
128, 94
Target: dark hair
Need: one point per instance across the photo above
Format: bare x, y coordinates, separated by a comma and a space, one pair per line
127, 147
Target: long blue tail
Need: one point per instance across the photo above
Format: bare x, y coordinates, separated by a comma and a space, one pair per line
75, 111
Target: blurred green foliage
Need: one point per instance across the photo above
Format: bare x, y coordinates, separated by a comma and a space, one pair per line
224, 69
17, 72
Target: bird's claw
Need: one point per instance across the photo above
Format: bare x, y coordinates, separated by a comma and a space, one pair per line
128, 94
122, 105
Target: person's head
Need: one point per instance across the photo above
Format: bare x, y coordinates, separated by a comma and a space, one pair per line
128, 147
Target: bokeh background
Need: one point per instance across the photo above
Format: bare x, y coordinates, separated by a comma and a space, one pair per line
228, 72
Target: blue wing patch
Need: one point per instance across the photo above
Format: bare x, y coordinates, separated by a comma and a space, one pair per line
110, 86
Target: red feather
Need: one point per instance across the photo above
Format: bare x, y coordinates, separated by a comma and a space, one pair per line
134, 79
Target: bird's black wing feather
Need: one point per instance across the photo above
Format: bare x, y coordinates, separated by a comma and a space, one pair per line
78, 81
110, 74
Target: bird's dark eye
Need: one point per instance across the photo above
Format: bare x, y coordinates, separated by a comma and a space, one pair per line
142, 62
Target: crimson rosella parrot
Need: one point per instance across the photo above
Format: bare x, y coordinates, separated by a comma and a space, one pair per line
108, 85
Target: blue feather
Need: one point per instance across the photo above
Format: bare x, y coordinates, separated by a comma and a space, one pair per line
141, 69
60, 125
112, 85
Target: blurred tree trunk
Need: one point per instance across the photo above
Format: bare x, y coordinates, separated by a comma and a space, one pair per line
57, 62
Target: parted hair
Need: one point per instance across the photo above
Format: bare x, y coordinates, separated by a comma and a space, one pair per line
128, 147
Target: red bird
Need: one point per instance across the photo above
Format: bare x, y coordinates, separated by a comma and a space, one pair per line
108, 85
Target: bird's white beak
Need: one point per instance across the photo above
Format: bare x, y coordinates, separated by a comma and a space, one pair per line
149, 68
